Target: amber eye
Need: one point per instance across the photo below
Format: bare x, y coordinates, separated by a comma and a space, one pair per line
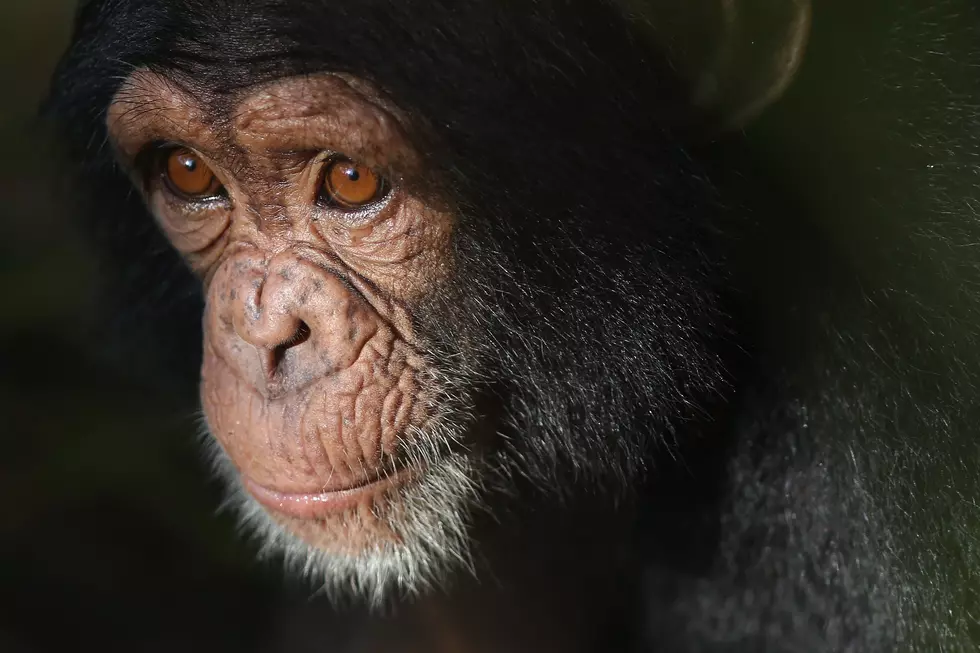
351, 185
188, 176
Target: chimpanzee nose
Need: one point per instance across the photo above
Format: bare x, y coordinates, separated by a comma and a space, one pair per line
274, 324
280, 334
301, 320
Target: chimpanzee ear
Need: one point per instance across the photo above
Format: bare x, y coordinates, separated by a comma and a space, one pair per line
738, 56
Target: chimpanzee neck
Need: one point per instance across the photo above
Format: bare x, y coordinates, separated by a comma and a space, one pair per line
547, 579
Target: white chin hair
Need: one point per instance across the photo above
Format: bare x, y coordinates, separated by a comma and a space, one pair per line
430, 518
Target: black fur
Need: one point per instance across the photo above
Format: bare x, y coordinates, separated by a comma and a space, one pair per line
769, 339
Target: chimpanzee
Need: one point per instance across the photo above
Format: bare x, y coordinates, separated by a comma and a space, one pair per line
565, 325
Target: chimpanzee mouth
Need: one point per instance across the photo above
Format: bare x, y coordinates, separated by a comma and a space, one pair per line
322, 504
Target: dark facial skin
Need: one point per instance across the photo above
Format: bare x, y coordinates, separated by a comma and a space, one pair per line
313, 381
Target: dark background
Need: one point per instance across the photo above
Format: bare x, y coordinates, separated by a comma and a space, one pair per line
108, 529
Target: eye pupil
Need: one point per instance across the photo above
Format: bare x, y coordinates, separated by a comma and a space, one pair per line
188, 176
351, 185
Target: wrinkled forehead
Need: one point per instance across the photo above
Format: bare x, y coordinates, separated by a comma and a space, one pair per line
285, 115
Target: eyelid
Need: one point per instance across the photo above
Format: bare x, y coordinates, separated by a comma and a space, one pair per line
361, 216
381, 167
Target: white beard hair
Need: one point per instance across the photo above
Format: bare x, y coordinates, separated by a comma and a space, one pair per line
431, 517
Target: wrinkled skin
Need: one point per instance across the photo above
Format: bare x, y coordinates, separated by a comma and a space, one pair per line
312, 380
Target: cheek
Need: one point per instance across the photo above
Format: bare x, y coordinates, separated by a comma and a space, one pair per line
345, 427
199, 234
407, 254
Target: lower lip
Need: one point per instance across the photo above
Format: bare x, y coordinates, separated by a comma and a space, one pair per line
316, 506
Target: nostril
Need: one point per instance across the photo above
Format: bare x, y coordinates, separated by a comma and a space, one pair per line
301, 335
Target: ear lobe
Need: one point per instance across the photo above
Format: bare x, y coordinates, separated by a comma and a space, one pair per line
738, 56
